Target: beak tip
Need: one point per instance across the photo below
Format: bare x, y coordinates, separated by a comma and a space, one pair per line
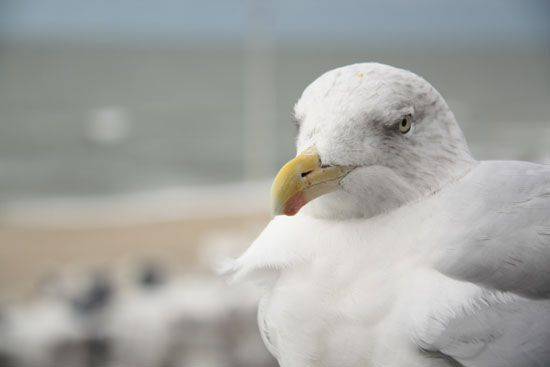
291, 206
277, 213
280, 210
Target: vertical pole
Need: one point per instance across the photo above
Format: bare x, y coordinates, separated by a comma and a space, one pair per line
259, 92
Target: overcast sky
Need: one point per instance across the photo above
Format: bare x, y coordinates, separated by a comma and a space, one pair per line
505, 20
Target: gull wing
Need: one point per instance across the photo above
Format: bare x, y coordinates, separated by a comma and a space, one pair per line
491, 330
493, 228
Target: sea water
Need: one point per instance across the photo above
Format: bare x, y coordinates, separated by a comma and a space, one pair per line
99, 122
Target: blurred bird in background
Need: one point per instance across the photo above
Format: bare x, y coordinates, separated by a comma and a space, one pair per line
149, 318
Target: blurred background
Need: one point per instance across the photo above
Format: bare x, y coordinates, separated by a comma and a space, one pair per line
138, 139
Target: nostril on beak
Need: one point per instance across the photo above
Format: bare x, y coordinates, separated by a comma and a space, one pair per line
304, 174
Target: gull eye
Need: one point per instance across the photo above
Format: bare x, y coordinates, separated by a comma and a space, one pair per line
405, 125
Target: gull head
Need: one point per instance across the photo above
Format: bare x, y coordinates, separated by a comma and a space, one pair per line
371, 138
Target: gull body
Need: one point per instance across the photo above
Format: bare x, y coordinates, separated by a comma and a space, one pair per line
419, 255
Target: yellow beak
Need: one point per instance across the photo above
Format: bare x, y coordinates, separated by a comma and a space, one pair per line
302, 180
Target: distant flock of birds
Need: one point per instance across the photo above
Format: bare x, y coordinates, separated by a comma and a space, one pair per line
155, 320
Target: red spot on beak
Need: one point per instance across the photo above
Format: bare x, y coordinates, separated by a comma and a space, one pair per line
295, 203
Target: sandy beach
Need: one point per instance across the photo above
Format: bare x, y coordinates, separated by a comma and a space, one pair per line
30, 252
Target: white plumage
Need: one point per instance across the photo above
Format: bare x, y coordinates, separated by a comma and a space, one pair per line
422, 256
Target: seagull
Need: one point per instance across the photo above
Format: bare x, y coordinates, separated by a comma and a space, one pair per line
391, 245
